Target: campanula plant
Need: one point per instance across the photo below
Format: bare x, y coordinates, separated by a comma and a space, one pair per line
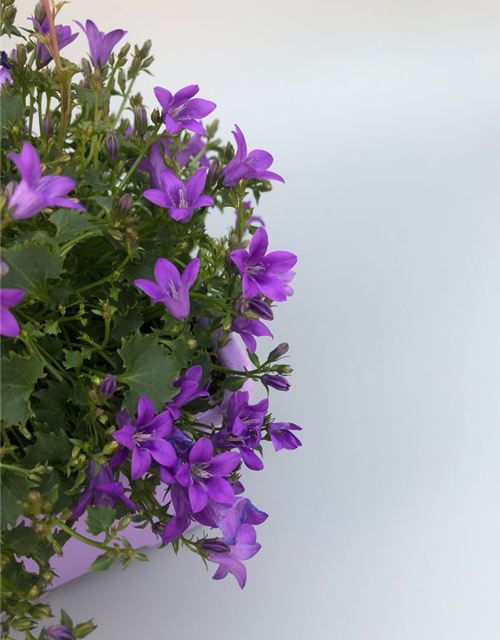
122, 318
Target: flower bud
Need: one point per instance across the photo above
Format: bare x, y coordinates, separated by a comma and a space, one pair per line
84, 628
86, 68
110, 448
215, 545
24, 624
39, 13
22, 56
58, 632
140, 119
284, 368
261, 308
156, 116
111, 142
229, 152
10, 15
40, 611
124, 50
213, 173
276, 382
47, 127
145, 49
158, 528
125, 204
279, 351
108, 386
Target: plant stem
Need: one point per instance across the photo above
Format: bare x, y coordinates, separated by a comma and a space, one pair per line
78, 536
140, 157
124, 101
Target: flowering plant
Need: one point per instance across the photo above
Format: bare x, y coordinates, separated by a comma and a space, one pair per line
126, 392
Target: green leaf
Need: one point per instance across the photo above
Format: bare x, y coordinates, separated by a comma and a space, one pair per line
12, 110
100, 519
31, 266
18, 382
22, 540
49, 447
232, 384
101, 563
52, 406
14, 489
149, 371
74, 359
72, 224
127, 324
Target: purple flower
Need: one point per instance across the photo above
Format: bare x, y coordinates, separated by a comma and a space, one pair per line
192, 149
102, 489
9, 326
276, 382
262, 273
5, 76
255, 305
190, 389
180, 199
183, 110
286, 278
248, 328
35, 193
245, 166
281, 435
64, 36
155, 165
145, 438
203, 475
235, 521
170, 287
101, 44
108, 386
231, 561
58, 632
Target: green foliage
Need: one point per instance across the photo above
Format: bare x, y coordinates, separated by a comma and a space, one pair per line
14, 489
100, 519
19, 374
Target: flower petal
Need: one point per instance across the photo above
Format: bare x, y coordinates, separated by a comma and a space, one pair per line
202, 451
224, 463
198, 497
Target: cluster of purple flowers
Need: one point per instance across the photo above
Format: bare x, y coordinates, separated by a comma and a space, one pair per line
200, 473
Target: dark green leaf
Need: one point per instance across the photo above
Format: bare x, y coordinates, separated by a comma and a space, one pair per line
101, 563
31, 266
22, 540
149, 371
52, 406
12, 110
50, 447
14, 489
18, 381
100, 519
72, 224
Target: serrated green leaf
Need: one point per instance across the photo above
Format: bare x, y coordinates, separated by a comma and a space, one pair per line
101, 563
52, 406
74, 359
14, 489
19, 375
71, 224
49, 447
149, 371
22, 540
100, 519
127, 323
12, 111
31, 266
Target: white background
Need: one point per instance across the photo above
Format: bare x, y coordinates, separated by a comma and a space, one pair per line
382, 116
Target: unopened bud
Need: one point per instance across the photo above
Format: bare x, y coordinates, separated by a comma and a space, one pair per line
58, 632
83, 629
47, 127
22, 56
284, 368
110, 448
41, 611
262, 309
279, 351
145, 49
39, 13
213, 173
108, 386
156, 116
276, 382
111, 146
215, 545
125, 204
229, 152
9, 15
141, 119
124, 50
24, 624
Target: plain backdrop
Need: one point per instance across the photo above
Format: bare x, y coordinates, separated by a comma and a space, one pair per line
383, 118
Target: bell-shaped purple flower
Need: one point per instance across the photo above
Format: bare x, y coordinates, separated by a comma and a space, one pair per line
9, 326
245, 166
64, 37
155, 165
35, 193
102, 489
190, 389
101, 44
180, 199
231, 561
183, 110
170, 287
145, 438
203, 475
282, 436
262, 273
248, 328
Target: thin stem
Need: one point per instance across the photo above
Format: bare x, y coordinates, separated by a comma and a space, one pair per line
140, 157
26, 472
124, 101
78, 536
247, 374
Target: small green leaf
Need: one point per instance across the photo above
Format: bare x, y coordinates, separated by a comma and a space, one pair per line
101, 563
18, 382
233, 384
31, 267
149, 371
71, 224
74, 359
100, 519
14, 489
22, 540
